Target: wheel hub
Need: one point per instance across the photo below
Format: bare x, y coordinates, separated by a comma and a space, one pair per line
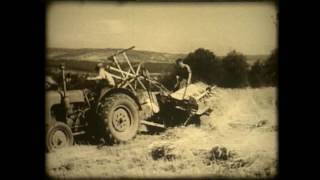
121, 119
59, 139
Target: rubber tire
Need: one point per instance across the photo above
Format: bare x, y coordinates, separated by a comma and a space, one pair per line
110, 104
54, 128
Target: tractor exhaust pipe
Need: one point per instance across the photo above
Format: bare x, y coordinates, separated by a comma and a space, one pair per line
65, 99
62, 67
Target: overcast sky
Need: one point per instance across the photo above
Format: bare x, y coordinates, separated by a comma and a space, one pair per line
249, 28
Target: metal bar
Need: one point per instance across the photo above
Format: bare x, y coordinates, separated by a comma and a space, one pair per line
116, 61
117, 77
186, 122
127, 59
86, 97
201, 95
78, 133
185, 91
122, 72
202, 111
152, 124
127, 74
132, 75
204, 93
137, 73
138, 69
130, 66
124, 80
155, 83
127, 83
133, 90
135, 84
141, 84
122, 51
63, 80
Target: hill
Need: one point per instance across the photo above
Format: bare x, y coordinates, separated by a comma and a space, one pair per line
94, 55
89, 54
84, 60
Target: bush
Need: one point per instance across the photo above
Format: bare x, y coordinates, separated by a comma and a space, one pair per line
169, 80
235, 70
205, 66
230, 71
265, 73
256, 77
271, 69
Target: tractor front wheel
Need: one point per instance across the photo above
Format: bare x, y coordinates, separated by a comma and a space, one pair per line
59, 135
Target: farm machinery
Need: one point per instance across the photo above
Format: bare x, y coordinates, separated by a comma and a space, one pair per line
136, 100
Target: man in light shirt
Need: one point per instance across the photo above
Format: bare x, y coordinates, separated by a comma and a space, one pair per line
105, 80
103, 75
184, 74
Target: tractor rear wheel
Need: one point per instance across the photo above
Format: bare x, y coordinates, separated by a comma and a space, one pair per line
59, 135
121, 116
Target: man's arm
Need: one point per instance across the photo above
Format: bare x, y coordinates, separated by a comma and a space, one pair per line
189, 74
100, 76
95, 78
109, 79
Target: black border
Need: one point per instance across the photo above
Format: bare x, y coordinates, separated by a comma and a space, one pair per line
25, 89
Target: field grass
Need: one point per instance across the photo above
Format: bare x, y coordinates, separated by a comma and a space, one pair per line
244, 123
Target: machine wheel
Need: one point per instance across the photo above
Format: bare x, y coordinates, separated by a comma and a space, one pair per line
59, 136
121, 116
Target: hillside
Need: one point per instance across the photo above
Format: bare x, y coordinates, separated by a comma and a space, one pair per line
102, 54
94, 55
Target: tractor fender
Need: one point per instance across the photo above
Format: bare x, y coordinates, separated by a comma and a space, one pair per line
109, 91
53, 98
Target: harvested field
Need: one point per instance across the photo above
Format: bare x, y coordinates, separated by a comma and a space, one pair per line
238, 139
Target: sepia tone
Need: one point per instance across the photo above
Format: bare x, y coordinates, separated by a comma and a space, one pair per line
144, 90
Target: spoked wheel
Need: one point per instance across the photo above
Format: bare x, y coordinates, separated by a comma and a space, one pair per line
59, 136
121, 116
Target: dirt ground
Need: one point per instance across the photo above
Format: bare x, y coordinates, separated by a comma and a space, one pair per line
238, 139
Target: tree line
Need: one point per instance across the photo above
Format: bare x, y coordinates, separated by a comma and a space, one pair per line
230, 71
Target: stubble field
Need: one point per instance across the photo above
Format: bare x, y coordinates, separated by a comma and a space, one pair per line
238, 139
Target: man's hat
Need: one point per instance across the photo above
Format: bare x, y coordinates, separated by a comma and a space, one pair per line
100, 65
179, 60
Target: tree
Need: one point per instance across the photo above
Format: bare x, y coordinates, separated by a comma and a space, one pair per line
205, 66
235, 70
256, 76
265, 73
271, 69
169, 80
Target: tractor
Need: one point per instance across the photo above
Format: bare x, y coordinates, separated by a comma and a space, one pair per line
137, 99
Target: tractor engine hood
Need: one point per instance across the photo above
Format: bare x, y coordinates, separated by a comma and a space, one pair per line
54, 97
76, 96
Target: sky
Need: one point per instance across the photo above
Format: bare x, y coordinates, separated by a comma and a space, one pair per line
249, 28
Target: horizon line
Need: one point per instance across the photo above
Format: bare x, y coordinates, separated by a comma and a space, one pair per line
160, 51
